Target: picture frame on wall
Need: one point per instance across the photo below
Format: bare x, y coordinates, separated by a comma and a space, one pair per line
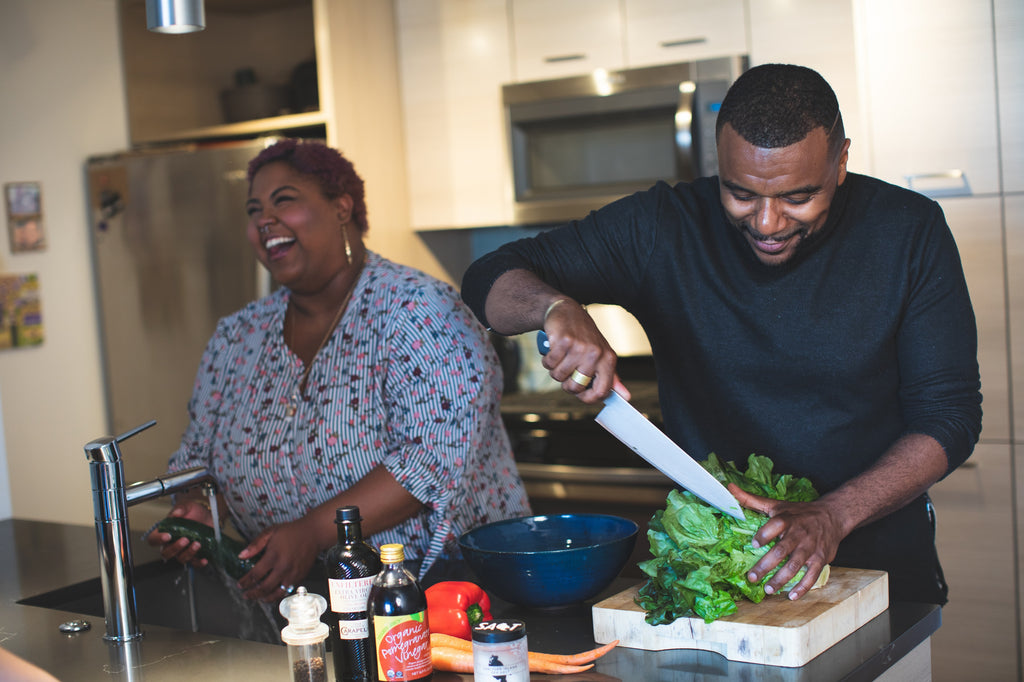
25, 216
21, 315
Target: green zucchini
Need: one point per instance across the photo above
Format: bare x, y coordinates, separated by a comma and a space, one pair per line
223, 555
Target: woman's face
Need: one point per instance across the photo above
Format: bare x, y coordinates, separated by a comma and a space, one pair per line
294, 229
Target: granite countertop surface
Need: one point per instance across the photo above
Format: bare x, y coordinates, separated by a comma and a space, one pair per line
39, 557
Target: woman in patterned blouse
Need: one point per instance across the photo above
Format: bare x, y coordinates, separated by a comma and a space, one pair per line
358, 382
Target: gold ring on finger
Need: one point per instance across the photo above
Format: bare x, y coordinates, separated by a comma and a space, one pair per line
581, 378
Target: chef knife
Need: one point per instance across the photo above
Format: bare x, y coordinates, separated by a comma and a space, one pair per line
624, 422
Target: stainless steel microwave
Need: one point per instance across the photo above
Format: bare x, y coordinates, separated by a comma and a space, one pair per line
578, 143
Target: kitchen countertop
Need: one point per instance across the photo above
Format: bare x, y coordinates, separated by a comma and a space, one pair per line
37, 557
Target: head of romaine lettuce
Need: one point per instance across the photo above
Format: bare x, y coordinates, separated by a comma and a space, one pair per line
701, 556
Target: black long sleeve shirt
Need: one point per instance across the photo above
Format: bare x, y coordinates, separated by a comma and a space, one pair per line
820, 363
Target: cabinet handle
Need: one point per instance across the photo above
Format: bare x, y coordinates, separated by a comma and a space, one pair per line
951, 183
564, 58
684, 42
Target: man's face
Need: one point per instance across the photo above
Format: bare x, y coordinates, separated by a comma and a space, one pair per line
778, 198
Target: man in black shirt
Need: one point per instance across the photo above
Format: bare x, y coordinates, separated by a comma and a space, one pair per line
794, 310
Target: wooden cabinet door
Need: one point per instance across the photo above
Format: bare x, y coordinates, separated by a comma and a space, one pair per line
930, 92
453, 60
973, 506
976, 223
818, 34
1014, 212
1010, 82
565, 38
667, 31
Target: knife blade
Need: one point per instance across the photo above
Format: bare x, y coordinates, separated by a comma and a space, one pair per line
623, 421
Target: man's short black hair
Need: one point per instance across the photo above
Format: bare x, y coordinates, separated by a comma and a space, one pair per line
776, 105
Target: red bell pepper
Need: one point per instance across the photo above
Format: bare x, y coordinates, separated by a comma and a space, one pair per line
455, 606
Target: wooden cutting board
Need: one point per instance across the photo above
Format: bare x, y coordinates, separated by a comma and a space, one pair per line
775, 632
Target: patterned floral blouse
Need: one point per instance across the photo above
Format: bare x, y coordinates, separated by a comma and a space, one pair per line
408, 379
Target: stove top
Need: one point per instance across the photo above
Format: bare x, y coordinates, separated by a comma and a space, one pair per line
557, 405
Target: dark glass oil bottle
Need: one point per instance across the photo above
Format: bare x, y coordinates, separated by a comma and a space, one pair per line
398, 621
351, 567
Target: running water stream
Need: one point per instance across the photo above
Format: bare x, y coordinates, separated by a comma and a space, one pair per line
211, 493
257, 620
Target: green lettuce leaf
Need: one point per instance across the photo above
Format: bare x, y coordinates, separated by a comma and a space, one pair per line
700, 556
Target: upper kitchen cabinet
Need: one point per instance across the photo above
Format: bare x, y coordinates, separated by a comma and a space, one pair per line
251, 71
666, 31
1010, 81
930, 92
818, 34
454, 56
565, 38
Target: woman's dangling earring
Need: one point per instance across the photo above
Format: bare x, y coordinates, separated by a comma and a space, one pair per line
348, 246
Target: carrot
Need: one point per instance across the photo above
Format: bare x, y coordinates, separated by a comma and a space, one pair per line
450, 642
461, 661
551, 668
456, 651
578, 659
452, 660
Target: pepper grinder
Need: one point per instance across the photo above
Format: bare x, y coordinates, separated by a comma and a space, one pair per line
305, 635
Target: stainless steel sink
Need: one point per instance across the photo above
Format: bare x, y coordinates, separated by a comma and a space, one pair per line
168, 596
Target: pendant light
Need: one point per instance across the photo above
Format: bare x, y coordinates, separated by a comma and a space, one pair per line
175, 16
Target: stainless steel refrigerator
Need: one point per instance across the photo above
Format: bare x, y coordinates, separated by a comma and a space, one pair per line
171, 258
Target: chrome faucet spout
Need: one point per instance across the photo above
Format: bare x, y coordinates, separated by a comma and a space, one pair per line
168, 484
111, 499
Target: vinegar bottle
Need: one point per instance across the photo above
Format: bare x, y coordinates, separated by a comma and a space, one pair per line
401, 633
351, 567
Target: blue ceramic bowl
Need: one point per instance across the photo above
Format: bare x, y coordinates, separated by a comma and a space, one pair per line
549, 561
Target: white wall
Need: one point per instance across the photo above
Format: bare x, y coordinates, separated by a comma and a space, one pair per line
5, 483
63, 101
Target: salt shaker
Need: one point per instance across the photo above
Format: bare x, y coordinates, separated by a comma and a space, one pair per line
500, 651
305, 635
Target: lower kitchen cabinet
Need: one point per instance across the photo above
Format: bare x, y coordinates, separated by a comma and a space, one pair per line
978, 637
1014, 217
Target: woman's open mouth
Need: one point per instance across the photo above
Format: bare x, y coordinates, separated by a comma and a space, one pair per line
277, 246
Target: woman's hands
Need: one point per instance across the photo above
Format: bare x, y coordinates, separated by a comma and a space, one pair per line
289, 551
181, 549
283, 554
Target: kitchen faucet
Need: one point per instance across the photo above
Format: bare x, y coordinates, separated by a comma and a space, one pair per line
111, 499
